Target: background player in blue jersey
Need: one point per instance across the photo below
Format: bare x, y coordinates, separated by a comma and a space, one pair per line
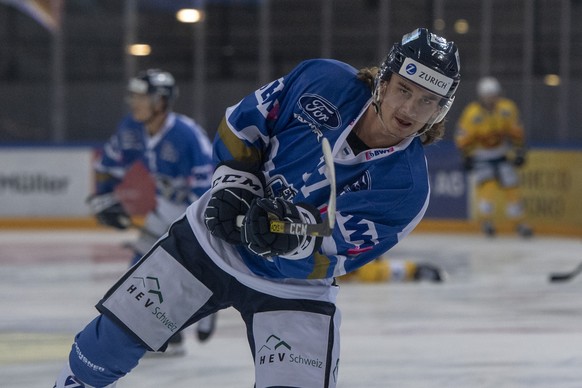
175, 150
378, 121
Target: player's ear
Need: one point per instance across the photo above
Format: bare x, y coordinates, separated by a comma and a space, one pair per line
383, 87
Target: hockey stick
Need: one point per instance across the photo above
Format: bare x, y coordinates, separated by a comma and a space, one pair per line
143, 230
325, 228
562, 277
301, 229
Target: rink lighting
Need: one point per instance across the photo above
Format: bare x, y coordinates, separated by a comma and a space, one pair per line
439, 24
461, 26
139, 50
189, 15
552, 80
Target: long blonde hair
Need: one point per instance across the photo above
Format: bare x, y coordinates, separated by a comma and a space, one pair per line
432, 135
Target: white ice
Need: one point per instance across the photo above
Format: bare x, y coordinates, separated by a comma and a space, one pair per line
495, 322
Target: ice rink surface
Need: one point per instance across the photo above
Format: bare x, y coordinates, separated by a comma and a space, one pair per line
496, 322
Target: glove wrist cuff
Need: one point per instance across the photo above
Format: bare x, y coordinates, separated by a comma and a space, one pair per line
227, 177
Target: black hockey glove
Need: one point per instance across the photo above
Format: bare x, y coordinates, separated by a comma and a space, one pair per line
256, 234
109, 211
519, 159
233, 190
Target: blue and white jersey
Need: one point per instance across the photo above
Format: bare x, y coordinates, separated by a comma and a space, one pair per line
382, 193
179, 157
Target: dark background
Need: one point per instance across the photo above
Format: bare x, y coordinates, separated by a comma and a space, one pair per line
93, 65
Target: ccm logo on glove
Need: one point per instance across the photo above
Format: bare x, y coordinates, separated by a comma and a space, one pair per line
233, 190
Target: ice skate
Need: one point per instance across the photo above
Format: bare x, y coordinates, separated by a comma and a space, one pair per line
488, 229
524, 231
206, 327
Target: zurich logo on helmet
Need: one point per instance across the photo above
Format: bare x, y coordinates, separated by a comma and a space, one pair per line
411, 68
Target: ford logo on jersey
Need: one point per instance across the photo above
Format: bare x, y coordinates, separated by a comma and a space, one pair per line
321, 111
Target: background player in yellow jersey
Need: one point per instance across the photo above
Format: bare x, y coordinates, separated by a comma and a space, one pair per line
491, 138
384, 269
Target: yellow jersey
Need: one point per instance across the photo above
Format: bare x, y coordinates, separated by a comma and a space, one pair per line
485, 134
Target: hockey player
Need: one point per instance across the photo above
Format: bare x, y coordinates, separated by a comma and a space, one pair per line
269, 145
175, 150
490, 136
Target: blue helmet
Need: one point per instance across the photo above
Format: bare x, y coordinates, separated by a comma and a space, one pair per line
426, 59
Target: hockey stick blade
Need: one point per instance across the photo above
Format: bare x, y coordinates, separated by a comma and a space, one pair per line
562, 277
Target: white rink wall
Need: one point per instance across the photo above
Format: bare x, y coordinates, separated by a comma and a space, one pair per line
46, 187
45, 181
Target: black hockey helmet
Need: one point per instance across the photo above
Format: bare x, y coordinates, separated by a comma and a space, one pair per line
426, 59
154, 82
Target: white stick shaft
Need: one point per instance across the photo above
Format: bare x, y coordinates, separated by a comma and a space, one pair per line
297, 228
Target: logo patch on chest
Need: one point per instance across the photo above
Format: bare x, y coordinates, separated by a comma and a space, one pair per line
321, 111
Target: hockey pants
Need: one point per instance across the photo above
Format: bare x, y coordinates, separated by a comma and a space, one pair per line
294, 342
